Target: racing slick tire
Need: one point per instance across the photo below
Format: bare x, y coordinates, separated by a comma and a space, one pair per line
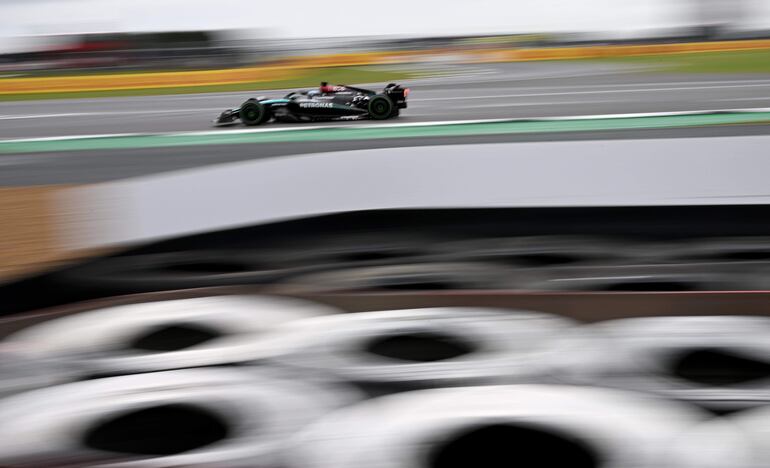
514, 425
380, 107
252, 112
163, 335
398, 350
721, 363
190, 418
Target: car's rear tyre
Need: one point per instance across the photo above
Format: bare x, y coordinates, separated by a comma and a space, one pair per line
253, 113
380, 107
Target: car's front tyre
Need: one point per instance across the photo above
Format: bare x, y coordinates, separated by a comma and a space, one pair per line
253, 112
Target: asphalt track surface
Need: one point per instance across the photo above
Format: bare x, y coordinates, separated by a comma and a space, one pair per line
540, 89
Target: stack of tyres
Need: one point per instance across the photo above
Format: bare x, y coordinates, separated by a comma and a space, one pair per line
722, 249
190, 418
518, 425
746, 435
350, 250
719, 362
400, 350
433, 276
163, 335
647, 278
544, 251
140, 273
251, 265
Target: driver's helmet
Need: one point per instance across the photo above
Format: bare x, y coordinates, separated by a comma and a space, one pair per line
313, 93
327, 88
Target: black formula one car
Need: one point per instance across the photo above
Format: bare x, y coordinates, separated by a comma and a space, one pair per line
328, 102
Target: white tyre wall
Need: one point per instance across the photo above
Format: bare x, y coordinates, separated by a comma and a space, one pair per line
621, 429
259, 410
649, 354
485, 346
103, 341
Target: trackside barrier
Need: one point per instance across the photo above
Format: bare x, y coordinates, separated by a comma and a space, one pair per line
288, 67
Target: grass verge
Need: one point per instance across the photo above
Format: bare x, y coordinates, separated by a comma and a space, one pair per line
303, 78
739, 61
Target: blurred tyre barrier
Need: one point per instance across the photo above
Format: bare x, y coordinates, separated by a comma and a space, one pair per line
404, 349
517, 425
190, 418
175, 270
366, 248
719, 362
742, 436
439, 276
747, 433
735, 249
161, 335
541, 251
737, 276
21, 369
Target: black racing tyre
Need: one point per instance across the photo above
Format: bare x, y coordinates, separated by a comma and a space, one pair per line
253, 112
173, 270
516, 425
190, 418
718, 362
380, 107
399, 350
163, 335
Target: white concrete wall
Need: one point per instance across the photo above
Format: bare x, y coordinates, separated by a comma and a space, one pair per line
682, 171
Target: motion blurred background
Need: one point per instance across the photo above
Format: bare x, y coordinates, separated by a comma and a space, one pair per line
556, 254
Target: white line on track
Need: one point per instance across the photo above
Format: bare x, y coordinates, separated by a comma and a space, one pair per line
387, 125
755, 98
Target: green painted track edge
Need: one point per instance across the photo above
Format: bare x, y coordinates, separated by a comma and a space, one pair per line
143, 141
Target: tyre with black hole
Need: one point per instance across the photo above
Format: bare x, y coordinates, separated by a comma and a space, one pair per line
380, 107
191, 418
719, 362
163, 335
252, 112
515, 425
400, 350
